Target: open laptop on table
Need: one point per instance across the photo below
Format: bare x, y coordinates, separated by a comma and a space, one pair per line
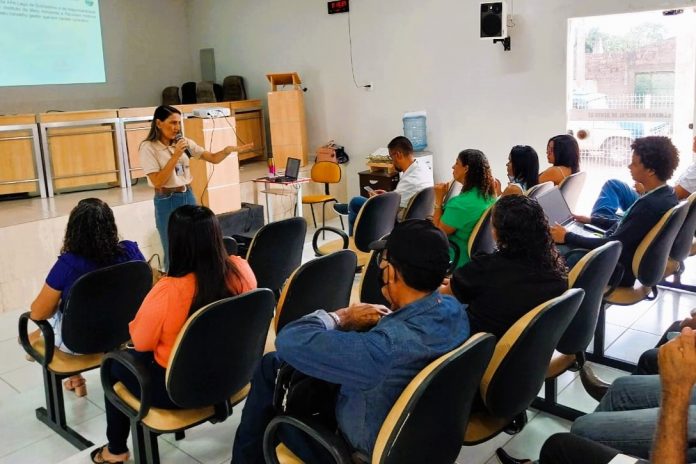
557, 211
292, 170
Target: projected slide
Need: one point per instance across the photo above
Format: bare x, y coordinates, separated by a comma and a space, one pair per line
50, 42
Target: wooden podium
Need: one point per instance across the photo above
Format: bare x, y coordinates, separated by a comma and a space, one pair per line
215, 185
286, 115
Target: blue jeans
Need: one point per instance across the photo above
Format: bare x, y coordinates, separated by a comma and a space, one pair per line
354, 207
258, 412
626, 418
165, 203
613, 196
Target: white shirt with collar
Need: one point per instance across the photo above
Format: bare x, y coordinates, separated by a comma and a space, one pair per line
414, 179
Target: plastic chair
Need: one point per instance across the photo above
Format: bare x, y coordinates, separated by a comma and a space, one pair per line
324, 172
592, 274
375, 220
233, 88
481, 240
205, 92
322, 283
681, 249
518, 368
539, 189
571, 188
96, 314
420, 206
209, 371
425, 423
170, 96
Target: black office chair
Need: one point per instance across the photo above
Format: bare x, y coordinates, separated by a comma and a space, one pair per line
170, 96
209, 371
518, 368
233, 88
420, 206
276, 251
370, 290
681, 249
188, 92
322, 283
96, 314
425, 423
231, 245
481, 240
592, 274
375, 219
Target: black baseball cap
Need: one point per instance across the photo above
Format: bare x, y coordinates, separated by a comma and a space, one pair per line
419, 249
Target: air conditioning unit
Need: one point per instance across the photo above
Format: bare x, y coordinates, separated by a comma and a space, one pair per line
494, 16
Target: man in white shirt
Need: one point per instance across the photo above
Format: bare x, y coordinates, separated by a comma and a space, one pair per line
415, 176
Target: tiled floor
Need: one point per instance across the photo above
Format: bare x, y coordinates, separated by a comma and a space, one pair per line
23, 439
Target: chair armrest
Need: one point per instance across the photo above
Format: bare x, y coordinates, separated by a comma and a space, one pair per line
335, 445
336, 231
46, 332
130, 362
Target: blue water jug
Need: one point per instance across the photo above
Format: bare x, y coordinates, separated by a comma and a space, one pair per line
415, 130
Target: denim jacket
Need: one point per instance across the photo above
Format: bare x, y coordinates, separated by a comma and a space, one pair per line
373, 367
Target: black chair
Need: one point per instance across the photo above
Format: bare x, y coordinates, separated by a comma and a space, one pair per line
649, 265
322, 283
209, 371
571, 188
420, 206
170, 96
592, 274
96, 314
538, 189
375, 219
425, 423
188, 93
518, 368
205, 92
370, 290
217, 90
481, 240
233, 88
276, 251
231, 245
681, 249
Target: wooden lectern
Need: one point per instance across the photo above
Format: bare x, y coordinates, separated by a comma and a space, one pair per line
286, 115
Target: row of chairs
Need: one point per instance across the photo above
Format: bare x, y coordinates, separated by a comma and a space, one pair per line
232, 89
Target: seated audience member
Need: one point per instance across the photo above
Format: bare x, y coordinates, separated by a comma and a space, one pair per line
563, 152
458, 217
653, 162
618, 196
522, 170
415, 176
200, 272
370, 351
525, 271
630, 417
90, 243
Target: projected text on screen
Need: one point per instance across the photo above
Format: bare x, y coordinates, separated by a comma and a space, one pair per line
50, 42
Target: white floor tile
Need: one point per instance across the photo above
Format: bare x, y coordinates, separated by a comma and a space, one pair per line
528, 442
631, 345
8, 324
6, 392
12, 355
624, 316
25, 378
50, 449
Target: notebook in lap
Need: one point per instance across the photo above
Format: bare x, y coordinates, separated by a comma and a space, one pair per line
292, 170
557, 212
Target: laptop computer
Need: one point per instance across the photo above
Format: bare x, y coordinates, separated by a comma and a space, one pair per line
292, 170
557, 212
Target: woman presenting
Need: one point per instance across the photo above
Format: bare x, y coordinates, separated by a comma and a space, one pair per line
165, 156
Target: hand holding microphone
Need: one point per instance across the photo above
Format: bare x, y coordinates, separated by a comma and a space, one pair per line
181, 145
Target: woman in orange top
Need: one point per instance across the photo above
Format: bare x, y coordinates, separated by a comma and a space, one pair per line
563, 152
200, 272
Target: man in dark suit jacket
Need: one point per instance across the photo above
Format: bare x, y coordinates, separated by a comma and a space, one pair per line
653, 162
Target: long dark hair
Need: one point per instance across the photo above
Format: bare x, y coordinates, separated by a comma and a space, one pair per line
566, 152
523, 234
92, 233
479, 175
525, 165
161, 113
195, 245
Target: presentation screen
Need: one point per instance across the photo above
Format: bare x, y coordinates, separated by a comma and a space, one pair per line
50, 42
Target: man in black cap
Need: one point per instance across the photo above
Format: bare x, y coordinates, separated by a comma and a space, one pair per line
370, 351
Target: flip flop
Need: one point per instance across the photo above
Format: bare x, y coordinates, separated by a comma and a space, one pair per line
97, 458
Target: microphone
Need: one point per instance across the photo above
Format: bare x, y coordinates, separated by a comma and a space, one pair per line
178, 137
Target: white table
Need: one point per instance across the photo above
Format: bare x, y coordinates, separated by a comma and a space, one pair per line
266, 186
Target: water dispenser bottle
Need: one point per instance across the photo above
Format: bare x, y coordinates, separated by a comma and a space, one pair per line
415, 129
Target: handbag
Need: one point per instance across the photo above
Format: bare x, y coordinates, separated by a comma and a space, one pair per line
156, 268
303, 396
331, 152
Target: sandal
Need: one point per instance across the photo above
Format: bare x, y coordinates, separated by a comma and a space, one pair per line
76, 384
97, 458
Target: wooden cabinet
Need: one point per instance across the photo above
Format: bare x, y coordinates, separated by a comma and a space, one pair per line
251, 127
377, 180
215, 185
20, 158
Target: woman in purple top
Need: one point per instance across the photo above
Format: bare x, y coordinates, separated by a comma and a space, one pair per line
90, 243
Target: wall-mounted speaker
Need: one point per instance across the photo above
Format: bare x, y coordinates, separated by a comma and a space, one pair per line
494, 20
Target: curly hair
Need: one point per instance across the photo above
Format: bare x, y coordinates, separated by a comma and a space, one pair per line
92, 233
566, 152
657, 153
479, 175
523, 234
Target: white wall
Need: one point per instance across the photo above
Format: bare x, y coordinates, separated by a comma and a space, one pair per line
418, 55
145, 50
